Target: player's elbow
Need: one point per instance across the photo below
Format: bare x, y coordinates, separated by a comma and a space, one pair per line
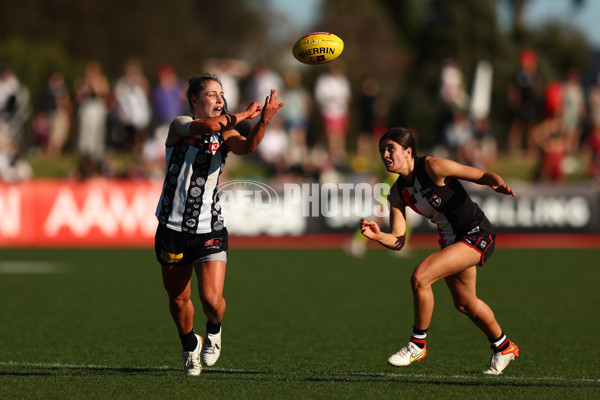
399, 243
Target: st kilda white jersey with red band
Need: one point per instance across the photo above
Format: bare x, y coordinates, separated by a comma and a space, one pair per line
449, 207
190, 200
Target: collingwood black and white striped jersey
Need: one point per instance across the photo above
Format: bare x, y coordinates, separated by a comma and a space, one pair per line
190, 201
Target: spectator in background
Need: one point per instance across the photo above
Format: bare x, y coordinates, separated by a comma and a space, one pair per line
593, 99
333, 96
373, 110
456, 127
133, 108
453, 93
263, 78
483, 148
573, 110
591, 145
168, 102
522, 100
168, 95
552, 155
13, 168
296, 116
591, 150
92, 94
273, 149
14, 105
59, 112
548, 137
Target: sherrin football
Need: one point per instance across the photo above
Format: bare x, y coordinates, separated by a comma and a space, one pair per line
318, 48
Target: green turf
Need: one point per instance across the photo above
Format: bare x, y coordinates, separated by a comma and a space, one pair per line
311, 324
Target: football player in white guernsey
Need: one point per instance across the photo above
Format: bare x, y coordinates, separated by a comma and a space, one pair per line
191, 234
431, 187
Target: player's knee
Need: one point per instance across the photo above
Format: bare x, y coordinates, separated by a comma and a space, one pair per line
212, 301
418, 281
179, 302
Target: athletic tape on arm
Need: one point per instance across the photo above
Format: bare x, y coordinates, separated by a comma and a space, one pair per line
182, 125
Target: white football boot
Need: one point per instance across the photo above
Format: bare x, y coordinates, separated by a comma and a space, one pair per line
500, 360
192, 365
211, 349
407, 355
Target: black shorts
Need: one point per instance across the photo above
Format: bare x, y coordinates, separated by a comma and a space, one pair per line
173, 247
484, 244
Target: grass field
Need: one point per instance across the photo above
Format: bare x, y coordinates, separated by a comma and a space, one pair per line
300, 324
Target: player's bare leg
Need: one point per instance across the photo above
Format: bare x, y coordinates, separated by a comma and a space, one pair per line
464, 293
176, 280
450, 260
445, 262
211, 280
463, 289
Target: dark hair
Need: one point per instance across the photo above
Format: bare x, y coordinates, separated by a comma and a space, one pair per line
197, 84
405, 137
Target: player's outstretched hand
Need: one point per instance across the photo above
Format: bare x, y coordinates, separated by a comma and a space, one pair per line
504, 189
272, 105
369, 229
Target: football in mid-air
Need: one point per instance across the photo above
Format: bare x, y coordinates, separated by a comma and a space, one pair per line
318, 48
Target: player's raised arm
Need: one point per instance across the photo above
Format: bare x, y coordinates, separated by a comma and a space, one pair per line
441, 169
239, 144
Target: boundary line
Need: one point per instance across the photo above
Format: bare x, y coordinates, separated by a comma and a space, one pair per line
31, 267
308, 373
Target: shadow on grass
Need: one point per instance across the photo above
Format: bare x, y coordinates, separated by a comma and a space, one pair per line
365, 377
33, 370
83, 370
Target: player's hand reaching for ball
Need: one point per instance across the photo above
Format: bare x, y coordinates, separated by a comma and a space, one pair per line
272, 105
503, 189
369, 229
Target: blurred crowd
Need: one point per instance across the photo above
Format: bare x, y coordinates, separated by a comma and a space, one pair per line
555, 123
566, 123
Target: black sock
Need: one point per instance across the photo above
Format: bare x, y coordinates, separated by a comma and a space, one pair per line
418, 337
499, 344
188, 341
213, 329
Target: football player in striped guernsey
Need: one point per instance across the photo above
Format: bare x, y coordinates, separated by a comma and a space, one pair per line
191, 234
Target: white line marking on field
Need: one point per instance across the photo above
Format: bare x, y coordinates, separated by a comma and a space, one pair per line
78, 366
328, 373
31, 267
